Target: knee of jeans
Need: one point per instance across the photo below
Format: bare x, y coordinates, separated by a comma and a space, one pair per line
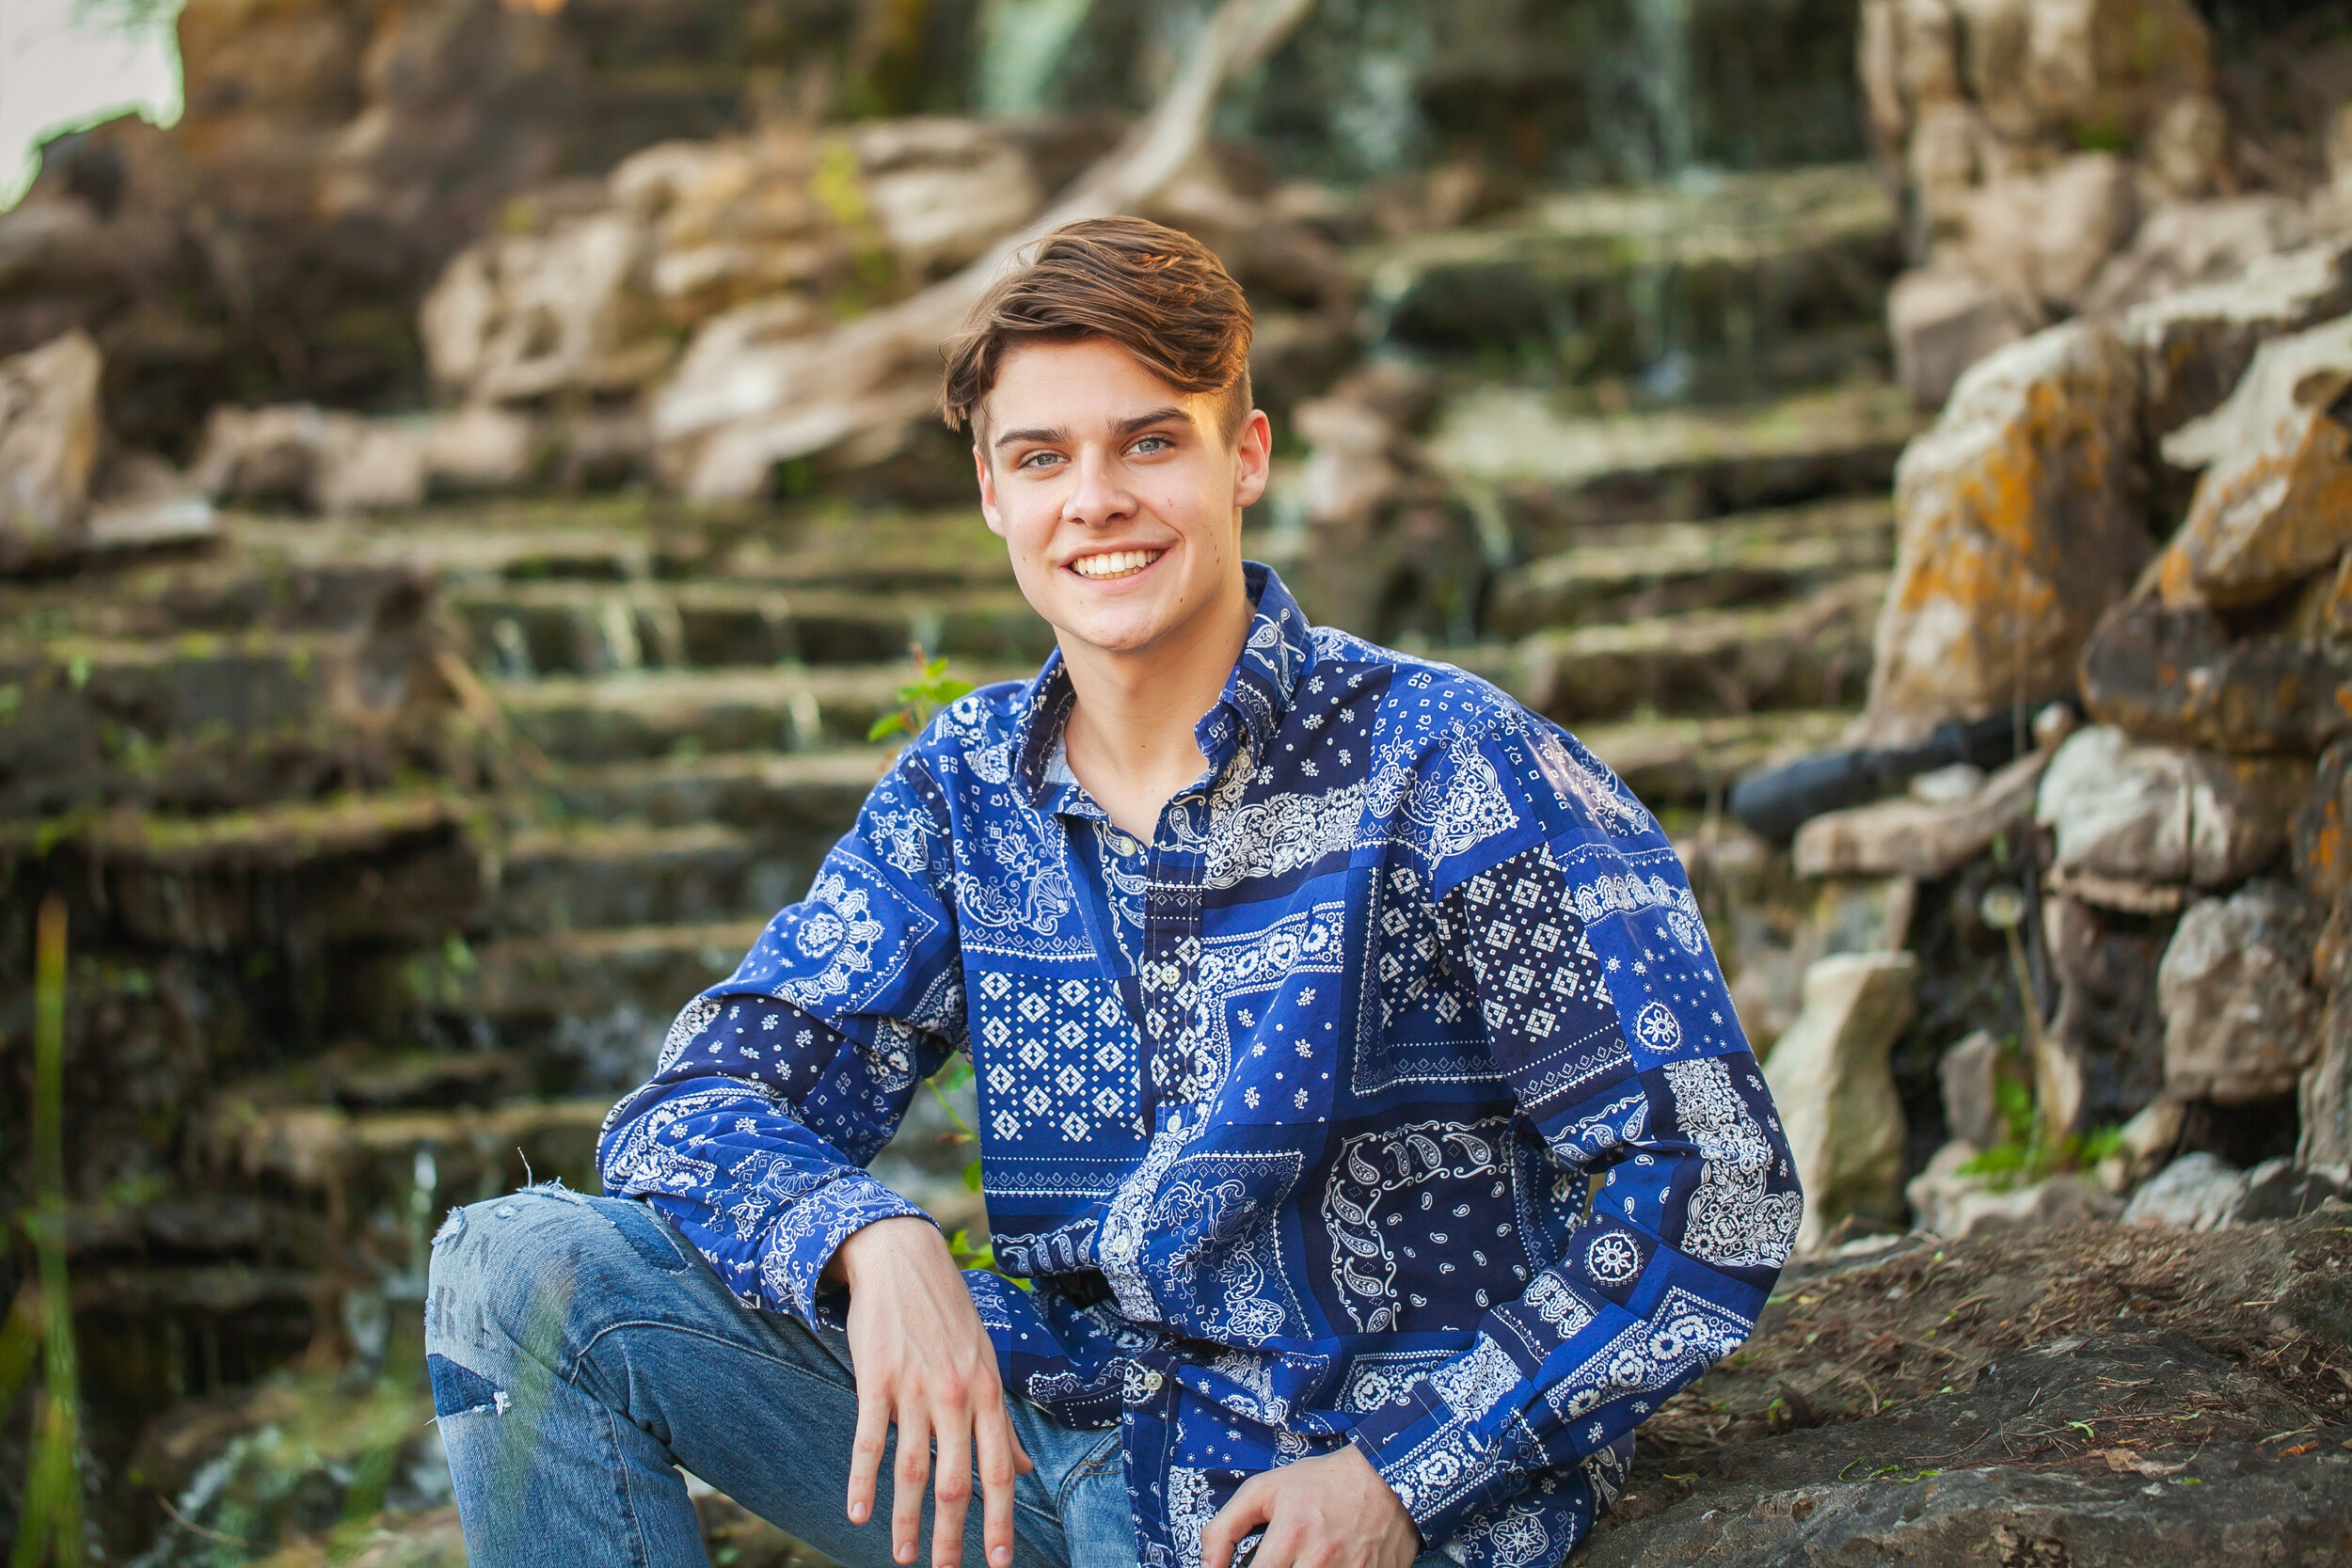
529, 1268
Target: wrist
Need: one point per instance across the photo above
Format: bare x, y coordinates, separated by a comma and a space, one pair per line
862, 1248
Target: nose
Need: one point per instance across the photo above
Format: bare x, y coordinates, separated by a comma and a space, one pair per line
1100, 495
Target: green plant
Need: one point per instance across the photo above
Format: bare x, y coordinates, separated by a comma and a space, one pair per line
931, 690
51, 1527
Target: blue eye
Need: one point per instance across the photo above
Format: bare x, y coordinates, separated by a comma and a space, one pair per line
1153, 443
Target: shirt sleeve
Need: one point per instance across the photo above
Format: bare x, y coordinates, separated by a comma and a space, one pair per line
778, 1086
1606, 1011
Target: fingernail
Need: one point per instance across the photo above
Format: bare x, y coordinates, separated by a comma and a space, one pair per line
1000, 1555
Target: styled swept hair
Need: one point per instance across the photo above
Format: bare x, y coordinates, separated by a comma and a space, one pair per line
1155, 292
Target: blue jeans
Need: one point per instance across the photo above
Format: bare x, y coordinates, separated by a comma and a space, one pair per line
581, 1352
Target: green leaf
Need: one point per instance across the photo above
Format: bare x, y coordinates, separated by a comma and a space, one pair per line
972, 1177
888, 724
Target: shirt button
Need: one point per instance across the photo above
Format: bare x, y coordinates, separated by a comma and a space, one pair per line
1151, 1381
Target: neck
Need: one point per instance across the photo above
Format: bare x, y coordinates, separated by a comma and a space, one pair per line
1129, 737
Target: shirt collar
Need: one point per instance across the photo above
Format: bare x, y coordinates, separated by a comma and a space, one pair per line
1257, 696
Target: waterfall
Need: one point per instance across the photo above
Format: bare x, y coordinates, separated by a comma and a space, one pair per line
1662, 68
1021, 43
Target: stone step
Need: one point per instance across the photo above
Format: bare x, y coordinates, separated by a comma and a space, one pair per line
1636, 570
1810, 653
370, 1160
199, 723
632, 978
215, 592
809, 796
1729, 282
1673, 763
641, 538
518, 630
1555, 474
670, 713
398, 868
589, 874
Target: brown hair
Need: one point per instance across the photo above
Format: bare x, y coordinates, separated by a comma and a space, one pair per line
1155, 292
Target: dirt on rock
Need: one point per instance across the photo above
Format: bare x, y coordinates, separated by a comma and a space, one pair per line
2087, 1395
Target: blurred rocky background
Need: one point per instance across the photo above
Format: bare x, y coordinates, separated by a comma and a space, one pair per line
468, 485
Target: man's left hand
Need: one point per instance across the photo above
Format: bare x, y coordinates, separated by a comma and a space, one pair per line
1329, 1512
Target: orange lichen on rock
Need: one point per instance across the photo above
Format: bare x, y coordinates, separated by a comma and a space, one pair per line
2019, 518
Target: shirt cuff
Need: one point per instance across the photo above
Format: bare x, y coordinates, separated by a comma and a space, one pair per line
812, 1230
1436, 1464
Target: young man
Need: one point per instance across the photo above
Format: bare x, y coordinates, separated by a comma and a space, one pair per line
1361, 1103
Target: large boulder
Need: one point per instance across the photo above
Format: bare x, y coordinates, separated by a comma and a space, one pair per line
1831, 1080
2184, 244
2275, 504
2241, 1021
50, 431
2019, 521
2176, 674
1946, 318
2047, 235
2140, 811
2195, 345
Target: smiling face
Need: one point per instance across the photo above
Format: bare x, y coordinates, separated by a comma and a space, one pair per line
1118, 497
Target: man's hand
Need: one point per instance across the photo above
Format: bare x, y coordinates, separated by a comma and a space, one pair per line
1329, 1512
923, 1362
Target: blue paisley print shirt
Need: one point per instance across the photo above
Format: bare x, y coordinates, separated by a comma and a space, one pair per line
1391, 1096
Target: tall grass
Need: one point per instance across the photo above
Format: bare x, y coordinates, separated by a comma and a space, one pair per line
51, 1527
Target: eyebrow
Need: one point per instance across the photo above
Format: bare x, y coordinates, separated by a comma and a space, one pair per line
1058, 435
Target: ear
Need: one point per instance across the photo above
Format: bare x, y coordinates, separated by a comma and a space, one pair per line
988, 491
1253, 458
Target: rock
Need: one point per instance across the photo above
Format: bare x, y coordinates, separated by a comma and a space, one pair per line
2195, 1192
2241, 1021
2188, 147
522, 316
2101, 1057
2280, 1189
1970, 1074
1910, 837
2147, 1141
2165, 814
2183, 244
2322, 859
1387, 546
2275, 504
1943, 319
1957, 1206
2018, 523
2174, 674
481, 448
2046, 236
1830, 1078
50, 431
2322, 1096
297, 453
2093, 67
2194, 345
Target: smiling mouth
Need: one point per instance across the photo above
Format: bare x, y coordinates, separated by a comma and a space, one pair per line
1113, 564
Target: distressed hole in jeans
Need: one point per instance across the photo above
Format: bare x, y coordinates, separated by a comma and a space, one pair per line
452, 1228
457, 1390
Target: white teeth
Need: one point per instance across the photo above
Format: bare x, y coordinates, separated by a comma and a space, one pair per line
1113, 564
